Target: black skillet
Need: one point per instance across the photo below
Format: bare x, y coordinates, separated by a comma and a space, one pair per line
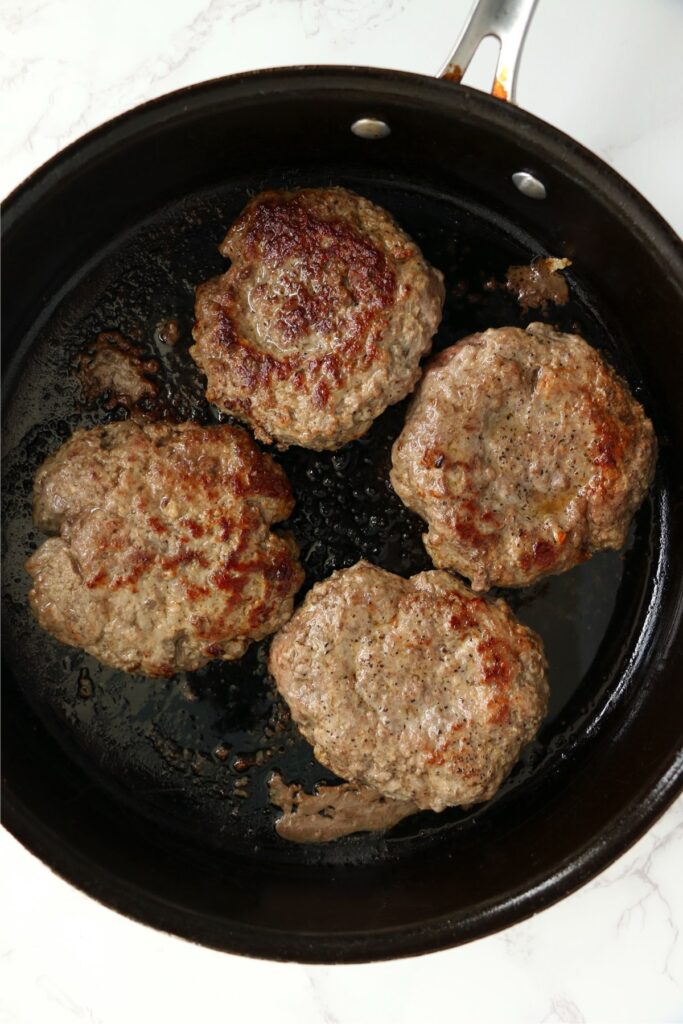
151, 795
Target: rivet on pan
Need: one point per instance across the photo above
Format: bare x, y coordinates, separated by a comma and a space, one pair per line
370, 128
528, 185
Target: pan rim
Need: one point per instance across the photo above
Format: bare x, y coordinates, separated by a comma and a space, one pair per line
456, 92
179, 921
634, 820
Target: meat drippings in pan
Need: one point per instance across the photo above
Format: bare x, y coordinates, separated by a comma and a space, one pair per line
539, 283
120, 377
333, 811
116, 370
168, 332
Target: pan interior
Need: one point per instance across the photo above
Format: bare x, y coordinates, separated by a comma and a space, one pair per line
192, 755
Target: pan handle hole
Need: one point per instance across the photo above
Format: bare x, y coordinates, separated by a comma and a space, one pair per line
370, 128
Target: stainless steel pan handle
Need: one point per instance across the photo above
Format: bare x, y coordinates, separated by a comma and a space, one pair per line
507, 21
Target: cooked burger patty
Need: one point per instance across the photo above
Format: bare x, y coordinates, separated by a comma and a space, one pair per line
321, 320
164, 557
417, 688
525, 453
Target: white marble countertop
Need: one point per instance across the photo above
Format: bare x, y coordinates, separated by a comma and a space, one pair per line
612, 951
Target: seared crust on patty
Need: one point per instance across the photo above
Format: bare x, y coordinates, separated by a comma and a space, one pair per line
164, 557
525, 453
417, 688
321, 321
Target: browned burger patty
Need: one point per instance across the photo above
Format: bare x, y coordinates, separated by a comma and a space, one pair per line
525, 453
321, 320
417, 688
164, 557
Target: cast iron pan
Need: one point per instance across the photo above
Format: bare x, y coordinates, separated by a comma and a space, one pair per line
151, 795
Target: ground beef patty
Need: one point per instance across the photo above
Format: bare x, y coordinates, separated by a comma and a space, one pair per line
525, 453
321, 320
417, 688
164, 557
